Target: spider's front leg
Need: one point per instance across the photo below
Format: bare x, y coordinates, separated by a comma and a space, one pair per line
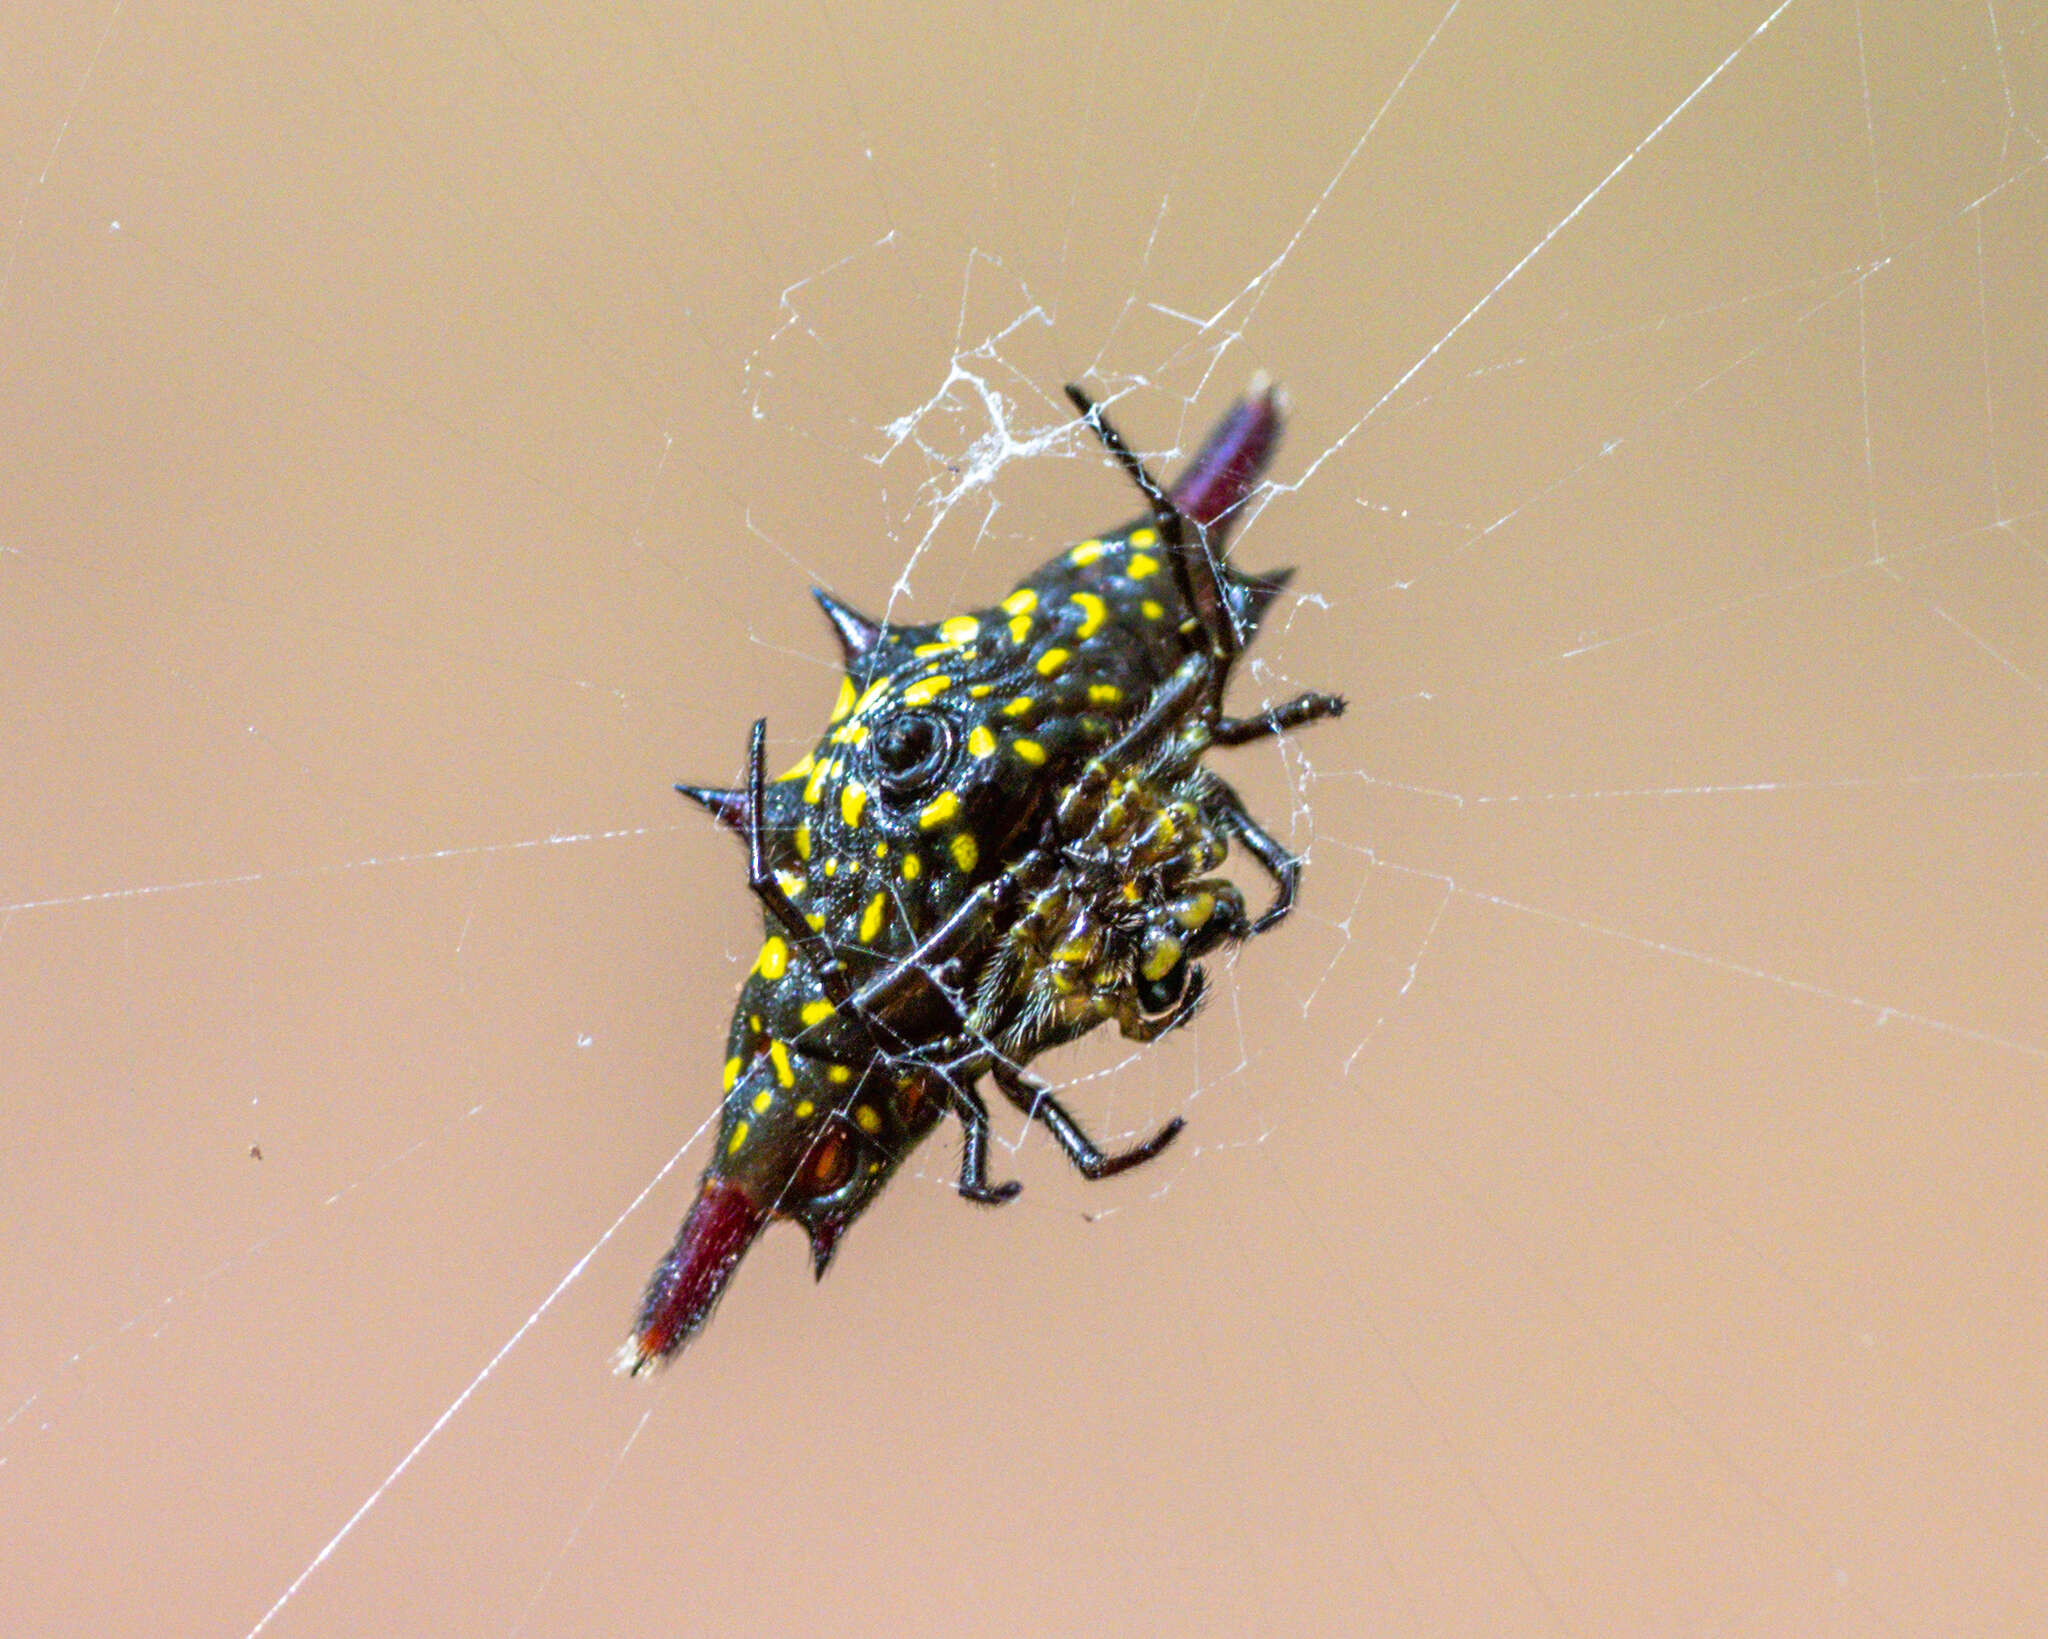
1285, 870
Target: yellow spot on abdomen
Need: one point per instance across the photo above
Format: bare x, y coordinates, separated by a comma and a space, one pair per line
773, 961
762, 1100
1093, 612
1151, 610
797, 771
965, 850
1104, 694
936, 812
1020, 602
1144, 537
779, 1055
739, 1137
1019, 706
1087, 552
817, 1012
926, 689
980, 741
838, 1074
1020, 628
802, 838
913, 867
853, 797
868, 1117
871, 919
844, 703
1141, 565
732, 1072
960, 630
805, 1109
819, 775
1051, 661
1029, 751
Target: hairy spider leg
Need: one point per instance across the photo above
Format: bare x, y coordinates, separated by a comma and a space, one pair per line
1203, 592
1167, 517
1162, 714
1284, 868
1234, 453
1038, 1103
1303, 709
934, 953
803, 937
1227, 643
973, 1114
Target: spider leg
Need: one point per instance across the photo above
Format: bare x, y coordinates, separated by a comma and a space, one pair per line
1162, 714
973, 1114
1036, 1100
1302, 710
1167, 517
886, 990
803, 937
1195, 568
922, 967
1274, 860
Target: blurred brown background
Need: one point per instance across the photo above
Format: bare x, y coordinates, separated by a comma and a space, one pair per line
1613, 1205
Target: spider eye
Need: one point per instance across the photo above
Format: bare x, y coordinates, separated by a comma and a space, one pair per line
912, 752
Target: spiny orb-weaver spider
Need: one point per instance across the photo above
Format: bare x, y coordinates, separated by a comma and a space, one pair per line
1005, 838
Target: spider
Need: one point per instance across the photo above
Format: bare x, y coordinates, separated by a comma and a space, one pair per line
1006, 837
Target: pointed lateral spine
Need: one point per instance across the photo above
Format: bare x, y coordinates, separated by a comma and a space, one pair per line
732, 808
857, 634
1255, 594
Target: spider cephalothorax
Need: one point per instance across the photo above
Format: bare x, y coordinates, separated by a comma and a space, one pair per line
1005, 837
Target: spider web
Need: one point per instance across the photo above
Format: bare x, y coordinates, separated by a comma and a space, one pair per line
1612, 1203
